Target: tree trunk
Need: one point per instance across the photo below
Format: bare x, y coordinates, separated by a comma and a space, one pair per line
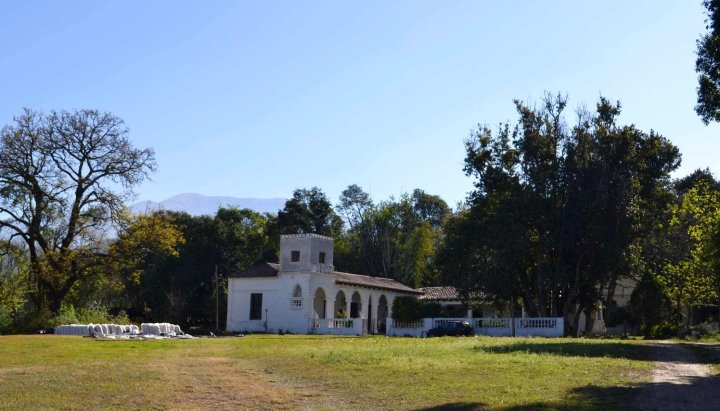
588, 321
576, 320
609, 302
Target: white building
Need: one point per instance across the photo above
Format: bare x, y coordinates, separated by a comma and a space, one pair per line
304, 294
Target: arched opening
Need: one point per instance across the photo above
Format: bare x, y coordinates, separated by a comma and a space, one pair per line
340, 305
382, 314
296, 300
355, 305
319, 303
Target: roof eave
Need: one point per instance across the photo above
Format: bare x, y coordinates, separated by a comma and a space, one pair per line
409, 291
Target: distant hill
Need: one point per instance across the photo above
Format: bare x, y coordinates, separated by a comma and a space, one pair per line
197, 204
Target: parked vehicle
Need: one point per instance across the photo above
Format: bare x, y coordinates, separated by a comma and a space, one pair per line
451, 328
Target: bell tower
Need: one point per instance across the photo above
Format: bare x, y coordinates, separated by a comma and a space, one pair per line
306, 252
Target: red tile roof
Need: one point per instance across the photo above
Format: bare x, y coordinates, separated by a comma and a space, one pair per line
373, 282
266, 270
446, 294
439, 294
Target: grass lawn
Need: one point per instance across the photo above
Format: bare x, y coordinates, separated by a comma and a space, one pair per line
315, 372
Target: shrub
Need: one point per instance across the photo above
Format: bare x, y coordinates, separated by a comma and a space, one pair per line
430, 310
648, 305
66, 315
406, 309
121, 318
665, 329
31, 320
95, 314
5, 321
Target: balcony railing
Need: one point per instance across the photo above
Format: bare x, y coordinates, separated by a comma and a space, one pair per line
407, 324
538, 323
492, 323
332, 323
323, 268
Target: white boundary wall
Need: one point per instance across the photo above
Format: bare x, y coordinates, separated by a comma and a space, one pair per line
495, 327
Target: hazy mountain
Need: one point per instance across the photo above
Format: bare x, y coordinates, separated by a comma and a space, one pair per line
197, 204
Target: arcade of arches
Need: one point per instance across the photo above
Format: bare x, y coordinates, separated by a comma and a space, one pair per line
371, 306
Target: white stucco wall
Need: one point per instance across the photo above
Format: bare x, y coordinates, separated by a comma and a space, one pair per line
277, 313
281, 312
309, 246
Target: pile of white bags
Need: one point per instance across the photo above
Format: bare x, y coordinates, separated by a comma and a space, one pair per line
161, 329
96, 329
123, 332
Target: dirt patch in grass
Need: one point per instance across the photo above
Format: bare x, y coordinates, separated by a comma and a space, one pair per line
226, 384
681, 380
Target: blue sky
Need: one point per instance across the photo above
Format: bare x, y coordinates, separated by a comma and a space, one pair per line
255, 99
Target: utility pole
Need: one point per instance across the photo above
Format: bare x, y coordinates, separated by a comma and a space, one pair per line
217, 301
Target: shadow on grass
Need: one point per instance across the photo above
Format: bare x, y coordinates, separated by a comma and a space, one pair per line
643, 352
458, 406
697, 393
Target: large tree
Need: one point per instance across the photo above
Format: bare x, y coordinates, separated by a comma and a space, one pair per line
168, 262
395, 238
707, 65
690, 275
145, 244
14, 288
557, 209
63, 177
309, 211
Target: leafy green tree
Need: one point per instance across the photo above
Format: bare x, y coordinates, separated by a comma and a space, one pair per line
415, 259
394, 238
63, 177
144, 242
707, 65
648, 304
557, 209
172, 258
183, 288
242, 238
429, 208
684, 184
359, 252
309, 211
14, 287
691, 278
354, 204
